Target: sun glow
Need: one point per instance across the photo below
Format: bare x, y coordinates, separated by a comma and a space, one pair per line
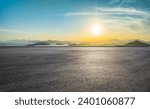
96, 29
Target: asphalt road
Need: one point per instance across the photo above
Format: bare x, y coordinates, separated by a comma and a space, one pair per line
75, 69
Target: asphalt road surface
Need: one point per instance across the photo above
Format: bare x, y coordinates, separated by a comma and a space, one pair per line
74, 69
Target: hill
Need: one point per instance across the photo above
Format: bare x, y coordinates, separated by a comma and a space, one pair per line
137, 43
51, 43
16, 42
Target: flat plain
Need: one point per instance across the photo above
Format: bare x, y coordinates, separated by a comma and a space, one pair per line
66, 69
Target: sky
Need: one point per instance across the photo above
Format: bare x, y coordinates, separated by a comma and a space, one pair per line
73, 19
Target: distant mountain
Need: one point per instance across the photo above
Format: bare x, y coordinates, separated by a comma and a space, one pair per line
51, 43
67, 43
137, 43
114, 42
148, 42
41, 43
15, 43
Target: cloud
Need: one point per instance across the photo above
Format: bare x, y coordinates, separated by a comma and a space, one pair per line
114, 1
128, 20
124, 2
80, 14
121, 2
12, 31
112, 11
128, 11
148, 8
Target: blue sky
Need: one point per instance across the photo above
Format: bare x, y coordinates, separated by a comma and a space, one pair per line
50, 19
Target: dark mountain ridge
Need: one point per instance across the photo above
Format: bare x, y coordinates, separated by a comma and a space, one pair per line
137, 43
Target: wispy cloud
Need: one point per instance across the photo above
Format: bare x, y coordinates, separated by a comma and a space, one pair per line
125, 11
79, 14
121, 2
132, 19
12, 31
148, 8
114, 1
111, 11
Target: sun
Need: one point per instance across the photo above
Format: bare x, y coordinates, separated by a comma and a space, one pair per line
96, 29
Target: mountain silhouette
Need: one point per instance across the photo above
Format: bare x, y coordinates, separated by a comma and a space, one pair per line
41, 43
137, 43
